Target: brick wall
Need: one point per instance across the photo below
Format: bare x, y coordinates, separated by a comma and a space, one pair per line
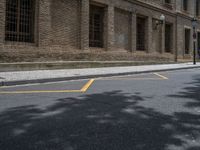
62, 31
156, 37
122, 29
65, 23
2, 23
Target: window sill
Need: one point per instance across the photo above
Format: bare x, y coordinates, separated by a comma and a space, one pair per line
168, 6
20, 43
185, 12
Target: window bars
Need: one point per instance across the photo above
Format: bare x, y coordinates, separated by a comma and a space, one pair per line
141, 23
96, 26
19, 21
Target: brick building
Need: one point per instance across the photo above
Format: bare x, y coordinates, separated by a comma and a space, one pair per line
38, 30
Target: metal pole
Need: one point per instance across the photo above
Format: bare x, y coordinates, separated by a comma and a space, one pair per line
194, 61
194, 46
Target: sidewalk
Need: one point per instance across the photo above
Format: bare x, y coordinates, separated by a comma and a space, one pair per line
41, 76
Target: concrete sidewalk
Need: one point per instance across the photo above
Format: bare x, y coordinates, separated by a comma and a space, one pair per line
41, 76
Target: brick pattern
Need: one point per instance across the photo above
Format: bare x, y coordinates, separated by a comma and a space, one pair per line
110, 27
150, 33
156, 37
85, 24
44, 28
122, 29
62, 31
133, 32
2, 22
65, 20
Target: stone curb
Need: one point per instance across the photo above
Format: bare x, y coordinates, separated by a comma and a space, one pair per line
21, 82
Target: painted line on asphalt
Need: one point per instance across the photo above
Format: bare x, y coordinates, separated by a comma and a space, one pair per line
33, 92
36, 84
82, 90
161, 76
131, 79
87, 85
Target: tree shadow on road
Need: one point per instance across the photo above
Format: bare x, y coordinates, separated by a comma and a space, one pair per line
192, 92
105, 121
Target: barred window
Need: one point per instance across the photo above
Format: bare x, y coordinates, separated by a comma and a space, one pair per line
141, 25
19, 20
96, 26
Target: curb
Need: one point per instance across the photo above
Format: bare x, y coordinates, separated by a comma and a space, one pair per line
21, 82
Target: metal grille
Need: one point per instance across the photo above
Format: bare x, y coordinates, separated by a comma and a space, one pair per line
96, 26
19, 20
141, 33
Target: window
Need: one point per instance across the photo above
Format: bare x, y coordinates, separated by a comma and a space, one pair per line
198, 42
141, 28
185, 5
197, 7
96, 26
168, 4
168, 38
187, 41
19, 20
168, 1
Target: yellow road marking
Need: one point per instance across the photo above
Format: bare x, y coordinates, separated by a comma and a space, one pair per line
36, 84
163, 77
83, 89
33, 92
87, 85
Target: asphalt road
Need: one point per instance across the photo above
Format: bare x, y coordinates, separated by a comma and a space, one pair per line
139, 112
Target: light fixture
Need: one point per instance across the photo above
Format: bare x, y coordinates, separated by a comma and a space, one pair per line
194, 22
160, 21
162, 18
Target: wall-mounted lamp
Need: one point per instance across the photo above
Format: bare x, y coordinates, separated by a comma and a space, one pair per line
160, 21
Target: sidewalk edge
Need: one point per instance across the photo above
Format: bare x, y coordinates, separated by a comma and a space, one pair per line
21, 82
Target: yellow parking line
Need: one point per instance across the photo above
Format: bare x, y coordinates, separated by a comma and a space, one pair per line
83, 89
163, 77
33, 92
87, 85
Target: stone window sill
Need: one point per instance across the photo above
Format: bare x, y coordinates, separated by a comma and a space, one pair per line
20, 43
168, 5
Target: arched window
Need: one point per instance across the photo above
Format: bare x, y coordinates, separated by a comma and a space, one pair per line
20, 20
